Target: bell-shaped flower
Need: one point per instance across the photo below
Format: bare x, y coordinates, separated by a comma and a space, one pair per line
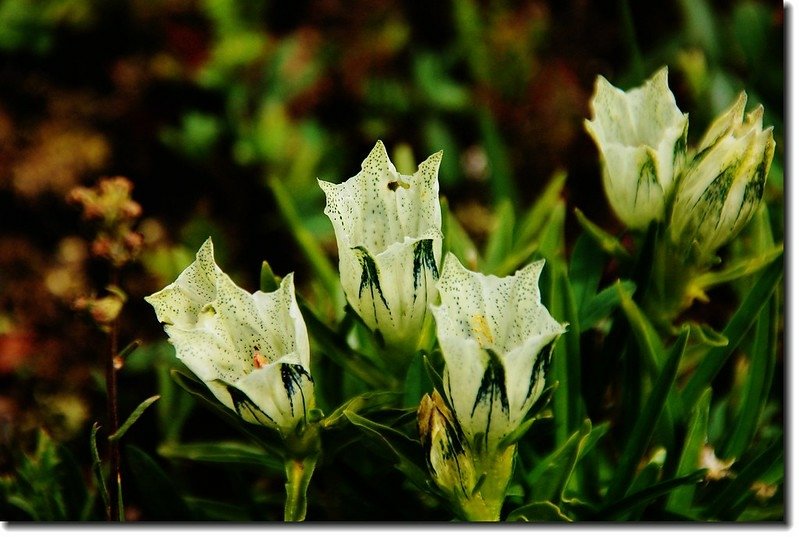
448, 454
388, 229
724, 182
641, 136
251, 350
497, 340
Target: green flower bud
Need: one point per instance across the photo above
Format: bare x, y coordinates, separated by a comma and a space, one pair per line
446, 450
724, 183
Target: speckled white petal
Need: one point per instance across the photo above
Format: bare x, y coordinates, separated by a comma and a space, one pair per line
208, 352
282, 391
526, 376
378, 206
465, 366
641, 136
495, 337
641, 203
180, 302
229, 337
281, 314
381, 219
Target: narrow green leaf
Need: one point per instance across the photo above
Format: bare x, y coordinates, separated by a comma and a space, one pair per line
728, 497
571, 343
363, 403
468, 23
224, 452
134, 416
550, 476
532, 223
515, 259
517, 434
534, 226
735, 330
501, 172
456, 239
647, 420
417, 382
538, 512
706, 335
651, 350
402, 447
432, 373
552, 242
129, 348
500, 241
585, 270
645, 496
593, 438
646, 478
70, 478
266, 437
216, 511
603, 304
607, 242
24, 505
438, 135
701, 27
737, 270
335, 347
645, 334
158, 495
269, 282
681, 498
176, 404
762, 362
313, 251
97, 468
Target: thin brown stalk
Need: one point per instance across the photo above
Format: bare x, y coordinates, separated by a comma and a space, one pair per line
115, 475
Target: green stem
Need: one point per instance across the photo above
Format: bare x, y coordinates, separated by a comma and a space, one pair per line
477, 509
304, 447
298, 476
485, 502
671, 292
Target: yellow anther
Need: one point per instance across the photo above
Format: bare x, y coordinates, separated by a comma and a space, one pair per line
482, 331
259, 360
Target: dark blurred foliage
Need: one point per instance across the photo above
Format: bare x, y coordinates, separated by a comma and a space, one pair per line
201, 102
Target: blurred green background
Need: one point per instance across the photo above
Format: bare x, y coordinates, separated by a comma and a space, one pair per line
218, 109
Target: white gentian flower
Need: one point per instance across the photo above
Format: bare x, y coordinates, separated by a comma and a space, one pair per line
497, 339
251, 350
641, 135
388, 229
724, 182
448, 455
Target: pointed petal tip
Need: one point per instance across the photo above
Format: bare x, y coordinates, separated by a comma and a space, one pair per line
661, 75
